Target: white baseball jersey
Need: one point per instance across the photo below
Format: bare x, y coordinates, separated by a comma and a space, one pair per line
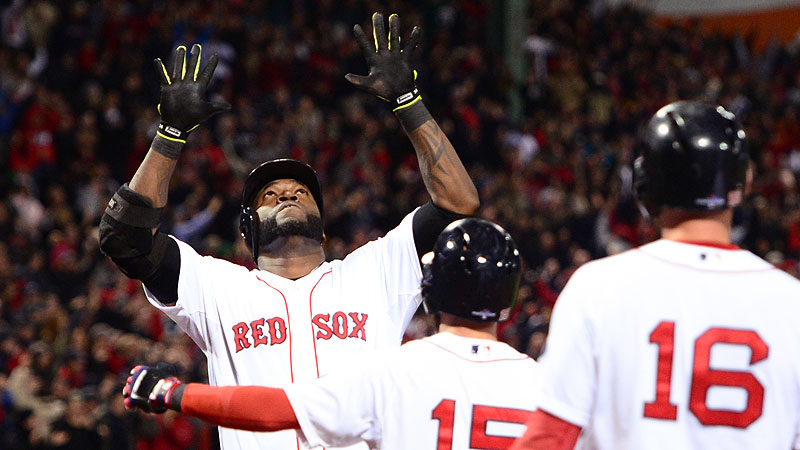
676, 346
439, 392
257, 328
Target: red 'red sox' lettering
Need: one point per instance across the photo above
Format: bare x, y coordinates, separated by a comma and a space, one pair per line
275, 326
258, 334
273, 331
323, 330
239, 332
341, 325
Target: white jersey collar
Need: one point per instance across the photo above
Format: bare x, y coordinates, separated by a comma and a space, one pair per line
704, 257
474, 349
312, 277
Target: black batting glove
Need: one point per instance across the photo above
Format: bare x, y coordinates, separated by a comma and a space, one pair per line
182, 103
151, 389
391, 76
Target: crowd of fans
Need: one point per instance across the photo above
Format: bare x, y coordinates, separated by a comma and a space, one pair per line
77, 114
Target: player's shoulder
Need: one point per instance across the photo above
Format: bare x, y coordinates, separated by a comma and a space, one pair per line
190, 257
708, 258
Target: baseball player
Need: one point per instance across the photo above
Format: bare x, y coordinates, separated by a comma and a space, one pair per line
459, 388
688, 342
297, 316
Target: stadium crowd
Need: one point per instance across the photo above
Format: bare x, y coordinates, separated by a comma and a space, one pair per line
77, 114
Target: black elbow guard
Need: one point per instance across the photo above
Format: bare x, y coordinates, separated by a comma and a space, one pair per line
126, 234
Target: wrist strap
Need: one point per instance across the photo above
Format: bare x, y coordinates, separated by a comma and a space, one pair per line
161, 396
171, 133
406, 100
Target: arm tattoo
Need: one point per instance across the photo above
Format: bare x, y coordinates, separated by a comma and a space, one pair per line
435, 146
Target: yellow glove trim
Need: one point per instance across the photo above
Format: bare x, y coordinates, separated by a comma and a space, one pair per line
166, 75
170, 138
183, 67
390, 30
197, 66
374, 35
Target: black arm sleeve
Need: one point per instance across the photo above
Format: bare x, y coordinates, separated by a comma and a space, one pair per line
428, 222
164, 282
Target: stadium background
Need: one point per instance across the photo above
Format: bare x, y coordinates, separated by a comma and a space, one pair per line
542, 99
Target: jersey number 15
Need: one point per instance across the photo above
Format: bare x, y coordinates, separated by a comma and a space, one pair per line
704, 377
445, 413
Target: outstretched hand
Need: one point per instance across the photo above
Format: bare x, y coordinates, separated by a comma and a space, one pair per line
182, 103
391, 76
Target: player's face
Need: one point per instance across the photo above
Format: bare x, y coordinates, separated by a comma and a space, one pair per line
286, 208
285, 199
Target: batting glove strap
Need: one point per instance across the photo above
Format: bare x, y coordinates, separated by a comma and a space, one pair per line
169, 140
406, 100
171, 133
161, 396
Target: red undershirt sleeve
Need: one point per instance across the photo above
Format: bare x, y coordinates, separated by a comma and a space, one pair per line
251, 408
548, 432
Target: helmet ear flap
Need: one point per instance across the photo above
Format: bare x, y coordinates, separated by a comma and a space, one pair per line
248, 227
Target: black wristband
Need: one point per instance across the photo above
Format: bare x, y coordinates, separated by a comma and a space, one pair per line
177, 397
171, 148
413, 115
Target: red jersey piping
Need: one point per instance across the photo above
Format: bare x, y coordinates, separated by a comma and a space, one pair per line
709, 244
311, 314
288, 323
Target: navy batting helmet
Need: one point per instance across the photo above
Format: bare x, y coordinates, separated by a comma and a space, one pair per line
260, 176
473, 271
693, 156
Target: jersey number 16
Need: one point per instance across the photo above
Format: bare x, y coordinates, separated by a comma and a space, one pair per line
704, 377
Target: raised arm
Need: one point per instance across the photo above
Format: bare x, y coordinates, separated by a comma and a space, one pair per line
182, 107
392, 79
128, 228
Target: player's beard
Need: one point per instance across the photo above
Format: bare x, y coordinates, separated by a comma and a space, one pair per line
269, 230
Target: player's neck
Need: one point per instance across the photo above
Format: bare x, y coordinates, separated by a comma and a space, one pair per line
711, 227
291, 258
467, 328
